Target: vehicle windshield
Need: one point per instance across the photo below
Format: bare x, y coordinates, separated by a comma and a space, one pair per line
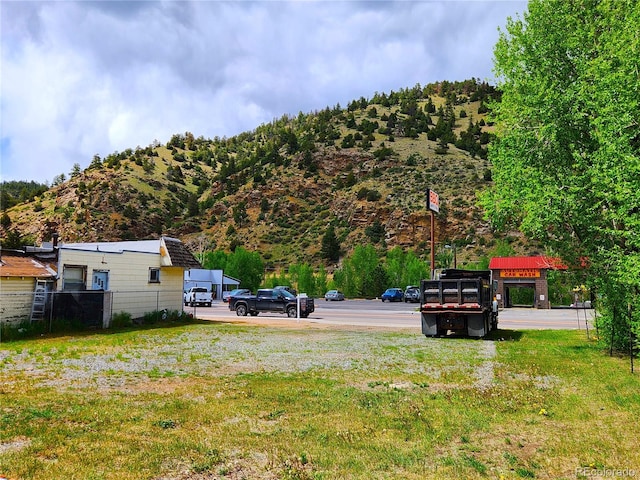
287, 294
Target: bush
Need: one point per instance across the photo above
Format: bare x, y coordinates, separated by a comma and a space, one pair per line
121, 320
166, 316
19, 331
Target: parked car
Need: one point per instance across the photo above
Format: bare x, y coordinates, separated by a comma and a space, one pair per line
289, 289
393, 295
334, 295
412, 294
235, 293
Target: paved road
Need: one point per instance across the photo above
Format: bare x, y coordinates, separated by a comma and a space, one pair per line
374, 313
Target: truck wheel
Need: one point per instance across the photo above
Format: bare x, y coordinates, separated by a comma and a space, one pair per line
241, 310
291, 312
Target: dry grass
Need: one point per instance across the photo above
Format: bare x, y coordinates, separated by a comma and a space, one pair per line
215, 401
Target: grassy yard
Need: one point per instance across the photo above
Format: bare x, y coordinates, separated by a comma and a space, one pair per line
218, 401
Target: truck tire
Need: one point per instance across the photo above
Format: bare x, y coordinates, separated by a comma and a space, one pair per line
291, 312
241, 310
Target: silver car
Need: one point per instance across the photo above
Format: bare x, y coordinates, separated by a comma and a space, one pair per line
412, 294
334, 295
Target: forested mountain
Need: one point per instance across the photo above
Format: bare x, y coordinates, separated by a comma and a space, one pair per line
361, 170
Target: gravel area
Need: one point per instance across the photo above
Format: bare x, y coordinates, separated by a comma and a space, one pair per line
215, 350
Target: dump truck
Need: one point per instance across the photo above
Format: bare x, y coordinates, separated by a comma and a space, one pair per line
459, 301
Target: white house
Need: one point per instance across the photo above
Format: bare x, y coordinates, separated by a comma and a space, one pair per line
213, 280
19, 278
143, 276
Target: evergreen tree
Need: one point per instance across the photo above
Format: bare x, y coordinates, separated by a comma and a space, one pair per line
330, 248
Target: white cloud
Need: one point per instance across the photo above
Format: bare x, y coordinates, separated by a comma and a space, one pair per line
97, 77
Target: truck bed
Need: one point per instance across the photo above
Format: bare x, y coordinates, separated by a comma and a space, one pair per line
460, 301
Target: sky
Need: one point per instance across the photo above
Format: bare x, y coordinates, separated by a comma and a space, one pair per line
97, 77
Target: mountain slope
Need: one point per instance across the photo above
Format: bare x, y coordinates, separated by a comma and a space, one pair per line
277, 189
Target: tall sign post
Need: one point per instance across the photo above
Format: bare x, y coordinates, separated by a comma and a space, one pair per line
433, 205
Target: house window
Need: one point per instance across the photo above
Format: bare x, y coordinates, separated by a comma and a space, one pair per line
74, 277
154, 275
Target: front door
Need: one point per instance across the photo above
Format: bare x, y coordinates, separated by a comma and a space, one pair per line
100, 280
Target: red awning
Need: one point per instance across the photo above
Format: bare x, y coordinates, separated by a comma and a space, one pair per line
541, 262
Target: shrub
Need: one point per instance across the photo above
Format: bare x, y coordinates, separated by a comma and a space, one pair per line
166, 316
17, 331
121, 320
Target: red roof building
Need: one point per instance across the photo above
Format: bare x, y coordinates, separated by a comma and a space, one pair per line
524, 272
549, 263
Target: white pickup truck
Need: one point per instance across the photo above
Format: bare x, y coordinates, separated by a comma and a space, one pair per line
198, 296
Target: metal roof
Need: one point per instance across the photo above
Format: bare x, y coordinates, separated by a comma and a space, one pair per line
18, 266
141, 246
539, 262
177, 253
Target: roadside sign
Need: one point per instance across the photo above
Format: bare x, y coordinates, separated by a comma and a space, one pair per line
433, 201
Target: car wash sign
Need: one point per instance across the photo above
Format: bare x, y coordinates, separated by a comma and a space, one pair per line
433, 201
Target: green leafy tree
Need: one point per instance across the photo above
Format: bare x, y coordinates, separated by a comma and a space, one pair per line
306, 280
360, 275
216, 260
566, 159
321, 281
404, 268
246, 266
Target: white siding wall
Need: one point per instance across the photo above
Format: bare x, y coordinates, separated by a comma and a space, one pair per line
16, 298
129, 279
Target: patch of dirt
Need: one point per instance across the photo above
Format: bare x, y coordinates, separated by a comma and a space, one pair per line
16, 444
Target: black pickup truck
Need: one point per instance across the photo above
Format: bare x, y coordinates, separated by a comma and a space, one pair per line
271, 300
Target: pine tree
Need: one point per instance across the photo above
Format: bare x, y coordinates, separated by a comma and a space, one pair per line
330, 246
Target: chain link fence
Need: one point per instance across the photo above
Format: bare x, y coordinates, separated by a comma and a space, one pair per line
85, 309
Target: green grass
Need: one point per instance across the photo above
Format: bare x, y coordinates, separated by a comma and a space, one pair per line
314, 404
